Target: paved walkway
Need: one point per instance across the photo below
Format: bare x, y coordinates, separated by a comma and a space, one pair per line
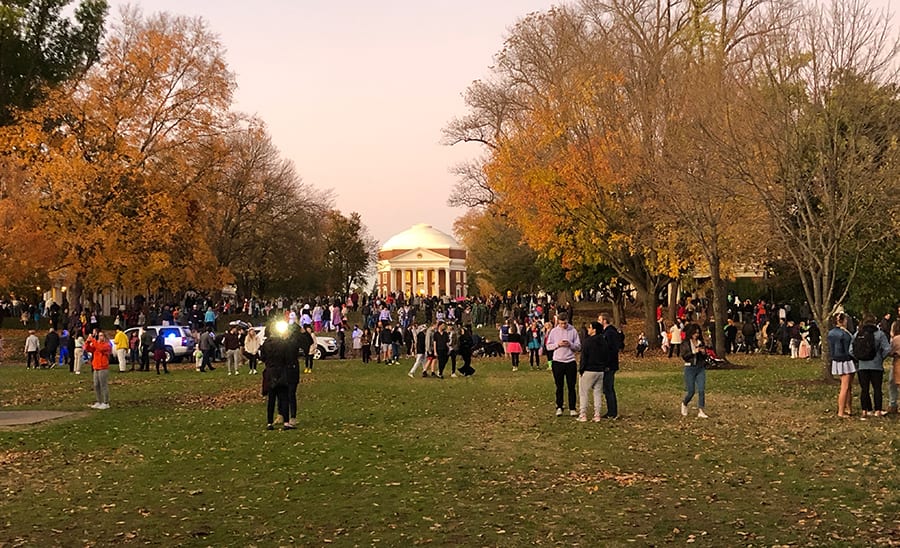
17, 418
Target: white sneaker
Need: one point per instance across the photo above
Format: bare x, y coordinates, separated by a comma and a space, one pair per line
582, 418
573, 413
229, 373
453, 376
96, 405
684, 410
103, 406
515, 368
559, 411
410, 375
702, 415
78, 372
237, 372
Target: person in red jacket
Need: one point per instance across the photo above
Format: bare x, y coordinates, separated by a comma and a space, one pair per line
99, 348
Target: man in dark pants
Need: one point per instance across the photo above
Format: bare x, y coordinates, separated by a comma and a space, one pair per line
614, 339
441, 347
563, 341
147, 340
277, 353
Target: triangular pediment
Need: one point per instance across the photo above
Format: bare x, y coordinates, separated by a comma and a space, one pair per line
419, 255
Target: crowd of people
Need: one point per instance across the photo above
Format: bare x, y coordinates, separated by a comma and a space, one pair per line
583, 362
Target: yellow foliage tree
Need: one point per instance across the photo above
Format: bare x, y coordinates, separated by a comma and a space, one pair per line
108, 157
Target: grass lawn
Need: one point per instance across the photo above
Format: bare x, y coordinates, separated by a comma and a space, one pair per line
382, 459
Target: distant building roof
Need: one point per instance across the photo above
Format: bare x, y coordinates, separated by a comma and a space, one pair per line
421, 235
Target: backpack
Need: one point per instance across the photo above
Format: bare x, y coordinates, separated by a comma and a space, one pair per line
864, 347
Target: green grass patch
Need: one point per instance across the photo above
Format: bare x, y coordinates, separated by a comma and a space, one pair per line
382, 459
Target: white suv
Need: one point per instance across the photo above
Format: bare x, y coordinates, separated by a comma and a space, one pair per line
179, 341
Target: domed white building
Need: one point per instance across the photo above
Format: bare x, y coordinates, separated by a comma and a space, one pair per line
422, 261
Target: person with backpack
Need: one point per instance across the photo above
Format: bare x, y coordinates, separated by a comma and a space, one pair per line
595, 354
839, 340
616, 342
871, 347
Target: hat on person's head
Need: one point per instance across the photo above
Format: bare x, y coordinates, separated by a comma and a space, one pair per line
597, 326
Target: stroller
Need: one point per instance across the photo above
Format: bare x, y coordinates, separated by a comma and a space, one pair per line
714, 359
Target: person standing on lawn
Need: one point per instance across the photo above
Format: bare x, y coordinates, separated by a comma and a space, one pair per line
441, 348
32, 347
121, 343
293, 373
100, 349
251, 349
839, 340
695, 362
563, 342
894, 373
870, 346
275, 352
595, 357
616, 342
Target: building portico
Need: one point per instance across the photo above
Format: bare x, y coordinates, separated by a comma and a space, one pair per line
422, 261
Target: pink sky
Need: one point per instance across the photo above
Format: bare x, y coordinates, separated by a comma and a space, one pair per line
356, 92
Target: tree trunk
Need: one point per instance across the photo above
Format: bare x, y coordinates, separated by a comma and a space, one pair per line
719, 305
673, 300
648, 307
74, 294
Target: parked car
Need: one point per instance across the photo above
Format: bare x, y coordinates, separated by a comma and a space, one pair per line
179, 342
325, 346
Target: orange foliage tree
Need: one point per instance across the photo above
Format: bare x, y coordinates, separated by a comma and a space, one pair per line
108, 157
567, 161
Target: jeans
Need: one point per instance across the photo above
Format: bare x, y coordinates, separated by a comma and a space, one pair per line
233, 360
892, 387
280, 394
875, 378
609, 392
591, 382
695, 379
534, 357
565, 373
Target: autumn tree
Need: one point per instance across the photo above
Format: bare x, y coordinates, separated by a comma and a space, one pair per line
106, 161
40, 47
816, 136
697, 188
567, 150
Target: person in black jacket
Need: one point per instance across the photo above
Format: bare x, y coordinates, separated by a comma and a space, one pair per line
276, 353
595, 360
748, 330
293, 342
616, 342
695, 361
466, 344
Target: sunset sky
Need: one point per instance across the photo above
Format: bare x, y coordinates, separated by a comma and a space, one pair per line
356, 92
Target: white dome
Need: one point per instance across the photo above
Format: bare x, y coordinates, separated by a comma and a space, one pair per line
421, 235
